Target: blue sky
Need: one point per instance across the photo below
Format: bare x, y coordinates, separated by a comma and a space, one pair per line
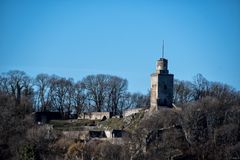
75, 38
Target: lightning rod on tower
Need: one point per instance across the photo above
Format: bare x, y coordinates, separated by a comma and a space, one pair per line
163, 49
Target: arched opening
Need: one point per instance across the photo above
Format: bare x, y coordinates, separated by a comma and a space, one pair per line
104, 118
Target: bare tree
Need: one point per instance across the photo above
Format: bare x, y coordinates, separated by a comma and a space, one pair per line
17, 80
183, 92
42, 83
224, 93
117, 91
201, 86
80, 98
70, 93
97, 90
210, 127
140, 100
108, 151
61, 94
13, 125
126, 102
4, 84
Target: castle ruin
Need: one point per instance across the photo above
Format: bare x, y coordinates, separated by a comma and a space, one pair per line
161, 86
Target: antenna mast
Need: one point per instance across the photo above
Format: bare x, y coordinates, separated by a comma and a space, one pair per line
163, 49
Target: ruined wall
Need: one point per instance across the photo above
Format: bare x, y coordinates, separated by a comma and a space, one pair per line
94, 115
83, 135
131, 111
154, 92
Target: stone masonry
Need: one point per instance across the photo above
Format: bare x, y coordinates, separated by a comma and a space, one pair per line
161, 86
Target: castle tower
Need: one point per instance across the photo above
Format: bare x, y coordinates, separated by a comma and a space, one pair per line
161, 86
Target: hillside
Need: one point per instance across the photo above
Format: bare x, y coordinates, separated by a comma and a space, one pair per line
203, 130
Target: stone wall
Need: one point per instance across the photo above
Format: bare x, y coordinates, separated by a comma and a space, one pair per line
154, 92
94, 115
82, 135
161, 86
91, 134
165, 90
130, 112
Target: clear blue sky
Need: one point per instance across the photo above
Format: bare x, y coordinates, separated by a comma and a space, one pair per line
75, 38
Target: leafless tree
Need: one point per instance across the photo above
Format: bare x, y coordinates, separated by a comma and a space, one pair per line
70, 95
210, 127
42, 83
17, 80
183, 92
140, 100
97, 90
116, 92
80, 98
61, 94
125, 102
201, 86
13, 125
4, 84
224, 93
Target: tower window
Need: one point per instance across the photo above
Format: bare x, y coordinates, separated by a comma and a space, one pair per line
165, 86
